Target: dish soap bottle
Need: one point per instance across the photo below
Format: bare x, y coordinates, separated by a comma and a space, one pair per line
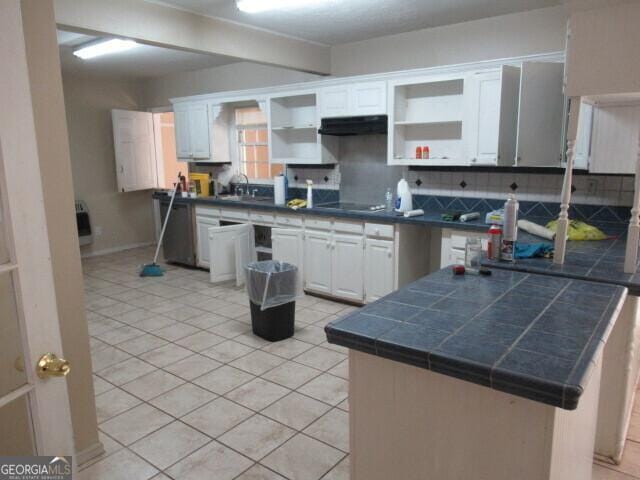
309, 194
509, 229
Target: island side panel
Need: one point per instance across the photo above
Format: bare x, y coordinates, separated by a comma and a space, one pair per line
411, 423
621, 365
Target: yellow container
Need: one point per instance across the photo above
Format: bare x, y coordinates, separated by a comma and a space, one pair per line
202, 183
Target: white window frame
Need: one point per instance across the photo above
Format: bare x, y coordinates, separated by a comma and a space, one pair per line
236, 155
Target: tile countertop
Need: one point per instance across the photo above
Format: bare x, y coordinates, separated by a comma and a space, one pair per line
525, 334
428, 219
598, 261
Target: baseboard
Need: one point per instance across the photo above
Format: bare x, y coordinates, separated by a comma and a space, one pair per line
121, 248
88, 454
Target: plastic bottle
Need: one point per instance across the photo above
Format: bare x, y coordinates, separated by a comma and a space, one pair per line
509, 229
388, 200
309, 194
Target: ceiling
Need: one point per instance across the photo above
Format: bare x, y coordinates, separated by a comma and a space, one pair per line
333, 22
144, 61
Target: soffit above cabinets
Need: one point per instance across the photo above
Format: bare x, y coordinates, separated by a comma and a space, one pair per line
332, 22
144, 61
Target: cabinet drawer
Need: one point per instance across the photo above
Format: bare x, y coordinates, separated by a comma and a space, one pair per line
234, 214
378, 230
207, 212
349, 227
257, 217
289, 220
317, 223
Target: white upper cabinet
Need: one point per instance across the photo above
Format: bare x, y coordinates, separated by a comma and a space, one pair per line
540, 115
353, 99
427, 112
293, 131
192, 131
135, 153
614, 147
583, 140
492, 116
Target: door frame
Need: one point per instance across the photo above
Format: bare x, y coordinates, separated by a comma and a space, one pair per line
27, 236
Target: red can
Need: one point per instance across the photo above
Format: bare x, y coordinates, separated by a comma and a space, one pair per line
418, 152
495, 240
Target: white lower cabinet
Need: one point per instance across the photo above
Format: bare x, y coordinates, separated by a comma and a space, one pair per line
347, 264
230, 248
317, 261
287, 246
379, 271
202, 233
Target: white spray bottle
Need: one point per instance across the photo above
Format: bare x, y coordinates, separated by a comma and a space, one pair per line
309, 194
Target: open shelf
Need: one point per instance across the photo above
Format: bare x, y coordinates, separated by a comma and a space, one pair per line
425, 123
295, 111
430, 102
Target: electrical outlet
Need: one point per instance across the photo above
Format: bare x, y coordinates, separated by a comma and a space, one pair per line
97, 231
592, 186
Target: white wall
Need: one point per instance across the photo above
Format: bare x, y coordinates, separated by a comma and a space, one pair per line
536, 31
125, 218
236, 76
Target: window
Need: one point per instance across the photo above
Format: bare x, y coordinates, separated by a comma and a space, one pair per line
253, 144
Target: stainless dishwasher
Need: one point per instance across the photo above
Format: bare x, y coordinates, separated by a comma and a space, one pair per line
178, 244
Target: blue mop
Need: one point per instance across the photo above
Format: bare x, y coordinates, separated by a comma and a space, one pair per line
153, 269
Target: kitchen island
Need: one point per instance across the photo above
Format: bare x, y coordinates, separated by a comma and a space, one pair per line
478, 377
602, 261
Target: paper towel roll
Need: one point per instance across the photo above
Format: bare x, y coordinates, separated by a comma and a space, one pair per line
535, 229
279, 195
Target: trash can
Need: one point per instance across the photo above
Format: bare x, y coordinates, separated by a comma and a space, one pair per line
272, 287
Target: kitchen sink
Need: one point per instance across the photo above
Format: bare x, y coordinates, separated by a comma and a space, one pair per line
244, 198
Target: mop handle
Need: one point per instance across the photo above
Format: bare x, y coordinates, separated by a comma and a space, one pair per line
166, 219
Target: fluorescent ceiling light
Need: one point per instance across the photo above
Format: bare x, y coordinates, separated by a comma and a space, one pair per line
104, 47
256, 6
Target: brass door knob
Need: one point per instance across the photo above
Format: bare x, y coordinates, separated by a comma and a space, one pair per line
50, 365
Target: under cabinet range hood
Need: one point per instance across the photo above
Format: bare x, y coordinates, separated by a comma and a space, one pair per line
345, 126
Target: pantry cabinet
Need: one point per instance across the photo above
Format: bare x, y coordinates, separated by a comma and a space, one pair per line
353, 99
192, 131
379, 269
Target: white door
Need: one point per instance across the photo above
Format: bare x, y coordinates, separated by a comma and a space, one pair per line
34, 411
378, 269
368, 98
334, 101
288, 246
317, 261
199, 131
245, 252
348, 266
135, 150
183, 138
614, 147
583, 140
229, 249
202, 237
484, 118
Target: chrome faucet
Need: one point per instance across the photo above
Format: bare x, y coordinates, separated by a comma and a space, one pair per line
247, 181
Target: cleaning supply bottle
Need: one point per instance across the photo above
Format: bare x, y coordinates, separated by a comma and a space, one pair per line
309, 194
404, 203
509, 229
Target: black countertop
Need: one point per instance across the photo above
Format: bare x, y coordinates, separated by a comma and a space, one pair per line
428, 219
598, 261
525, 334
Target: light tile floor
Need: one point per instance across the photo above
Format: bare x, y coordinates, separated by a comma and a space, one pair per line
184, 391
